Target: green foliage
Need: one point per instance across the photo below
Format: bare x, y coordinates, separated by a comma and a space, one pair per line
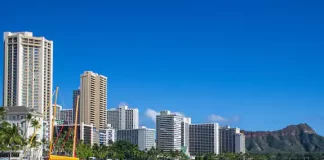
83, 150
10, 135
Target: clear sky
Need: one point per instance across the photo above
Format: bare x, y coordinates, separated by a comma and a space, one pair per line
254, 64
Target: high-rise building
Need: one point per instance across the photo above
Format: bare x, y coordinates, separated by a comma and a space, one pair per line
142, 137
93, 99
76, 93
66, 115
186, 121
168, 131
239, 143
28, 73
227, 139
204, 139
123, 117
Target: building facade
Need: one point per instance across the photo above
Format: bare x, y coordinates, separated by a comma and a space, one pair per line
239, 143
204, 139
107, 136
227, 139
76, 93
123, 117
28, 72
16, 115
186, 121
142, 137
168, 131
66, 115
93, 99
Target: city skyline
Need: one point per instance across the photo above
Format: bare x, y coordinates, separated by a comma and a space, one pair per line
246, 70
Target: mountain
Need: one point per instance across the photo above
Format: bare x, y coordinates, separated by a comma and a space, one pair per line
299, 138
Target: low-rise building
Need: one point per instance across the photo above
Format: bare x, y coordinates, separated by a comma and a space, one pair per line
17, 115
107, 135
203, 139
142, 137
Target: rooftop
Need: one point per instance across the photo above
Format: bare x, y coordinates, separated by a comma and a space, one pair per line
24, 109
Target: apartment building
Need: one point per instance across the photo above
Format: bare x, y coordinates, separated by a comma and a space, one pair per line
93, 99
142, 137
66, 115
227, 139
123, 117
239, 143
204, 139
107, 135
28, 73
168, 131
186, 121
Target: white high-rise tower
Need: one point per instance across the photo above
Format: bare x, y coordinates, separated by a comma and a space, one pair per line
168, 131
123, 117
28, 72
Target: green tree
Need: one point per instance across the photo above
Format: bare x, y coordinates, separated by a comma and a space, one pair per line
5, 128
153, 153
103, 151
14, 139
84, 151
95, 150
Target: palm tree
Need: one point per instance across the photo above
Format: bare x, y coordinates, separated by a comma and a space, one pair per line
34, 144
14, 139
5, 128
27, 120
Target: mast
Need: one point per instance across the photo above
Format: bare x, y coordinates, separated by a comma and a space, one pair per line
75, 126
52, 125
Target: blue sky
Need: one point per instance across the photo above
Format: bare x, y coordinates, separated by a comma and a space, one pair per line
256, 64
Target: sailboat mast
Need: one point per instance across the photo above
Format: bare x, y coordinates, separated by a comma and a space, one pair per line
75, 126
52, 125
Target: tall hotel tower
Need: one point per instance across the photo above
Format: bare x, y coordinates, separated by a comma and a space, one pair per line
168, 131
93, 99
28, 72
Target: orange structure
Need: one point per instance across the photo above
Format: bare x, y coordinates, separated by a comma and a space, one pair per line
55, 157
